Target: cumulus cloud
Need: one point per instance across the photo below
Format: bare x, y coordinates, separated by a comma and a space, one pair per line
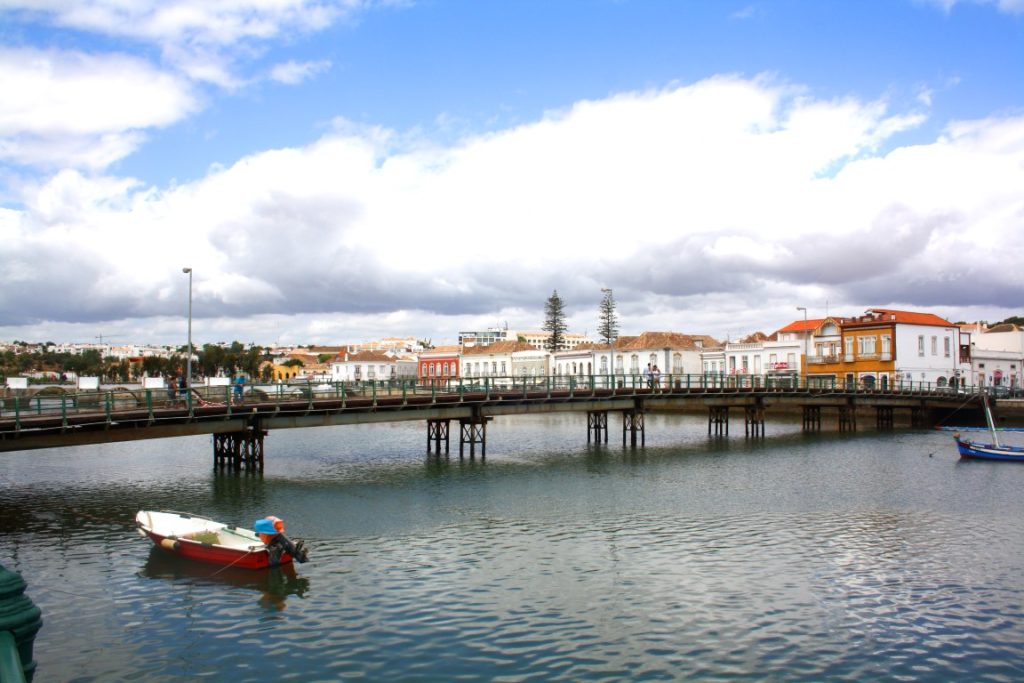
198, 38
81, 109
711, 207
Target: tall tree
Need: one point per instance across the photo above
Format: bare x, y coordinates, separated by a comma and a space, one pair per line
554, 322
608, 327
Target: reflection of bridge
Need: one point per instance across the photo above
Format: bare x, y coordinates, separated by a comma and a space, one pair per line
61, 418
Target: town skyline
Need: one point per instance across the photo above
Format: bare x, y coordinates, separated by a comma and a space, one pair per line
332, 170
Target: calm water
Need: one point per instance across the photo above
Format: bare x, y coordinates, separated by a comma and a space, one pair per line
792, 558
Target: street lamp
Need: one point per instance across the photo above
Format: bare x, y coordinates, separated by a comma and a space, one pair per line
804, 342
188, 360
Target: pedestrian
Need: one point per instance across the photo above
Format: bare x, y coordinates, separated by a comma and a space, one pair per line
183, 388
647, 375
239, 388
655, 377
172, 394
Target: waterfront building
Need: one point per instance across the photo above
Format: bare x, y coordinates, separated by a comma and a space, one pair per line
493, 360
365, 366
997, 355
575, 362
674, 353
884, 347
439, 364
776, 358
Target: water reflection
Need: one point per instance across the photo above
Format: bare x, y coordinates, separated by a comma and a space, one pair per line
274, 585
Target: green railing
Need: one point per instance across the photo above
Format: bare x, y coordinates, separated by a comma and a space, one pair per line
156, 404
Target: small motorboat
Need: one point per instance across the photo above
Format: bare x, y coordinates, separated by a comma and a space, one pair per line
198, 538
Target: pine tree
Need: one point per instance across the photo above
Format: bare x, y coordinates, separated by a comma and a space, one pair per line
608, 327
554, 322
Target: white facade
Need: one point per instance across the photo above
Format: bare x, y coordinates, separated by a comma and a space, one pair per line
928, 353
363, 368
764, 358
996, 368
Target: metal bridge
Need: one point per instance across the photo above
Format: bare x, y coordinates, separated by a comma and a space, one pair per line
52, 417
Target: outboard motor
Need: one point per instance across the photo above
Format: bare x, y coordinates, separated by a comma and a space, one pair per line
271, 532
297, 549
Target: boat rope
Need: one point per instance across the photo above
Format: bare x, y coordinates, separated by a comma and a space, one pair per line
228, 566
958, 409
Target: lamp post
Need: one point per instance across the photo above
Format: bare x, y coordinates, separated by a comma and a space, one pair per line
188, 359
804, 342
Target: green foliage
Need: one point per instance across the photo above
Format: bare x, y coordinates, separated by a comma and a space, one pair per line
554, 322
608, 326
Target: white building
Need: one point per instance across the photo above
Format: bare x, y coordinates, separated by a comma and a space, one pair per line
997, 356
494, 362
368, 366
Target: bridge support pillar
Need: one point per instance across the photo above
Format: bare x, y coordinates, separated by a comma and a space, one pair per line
633, 421
812, 418
597, 422
473, 430
918, 418
240, 450
753, 420
883, 417
437, 432
847, 419
718, 416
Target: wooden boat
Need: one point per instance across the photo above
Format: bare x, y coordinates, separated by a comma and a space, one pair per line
205, 540
988, 451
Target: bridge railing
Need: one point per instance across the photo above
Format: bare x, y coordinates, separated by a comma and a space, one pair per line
20, 405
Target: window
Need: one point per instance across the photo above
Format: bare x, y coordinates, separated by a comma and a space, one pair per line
935, 345
947, 346
848, 341
886, 341
920, 345
503, 368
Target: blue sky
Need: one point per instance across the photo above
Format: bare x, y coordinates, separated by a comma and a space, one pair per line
340, 171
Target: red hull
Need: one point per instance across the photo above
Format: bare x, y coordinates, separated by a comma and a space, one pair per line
213, 554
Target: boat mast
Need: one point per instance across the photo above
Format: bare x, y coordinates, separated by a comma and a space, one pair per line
988, 418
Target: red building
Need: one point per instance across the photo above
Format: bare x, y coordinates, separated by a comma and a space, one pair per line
439, 364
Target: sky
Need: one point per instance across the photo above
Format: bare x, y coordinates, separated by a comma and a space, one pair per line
337, 171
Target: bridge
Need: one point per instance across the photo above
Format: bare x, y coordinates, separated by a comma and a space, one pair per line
50, 417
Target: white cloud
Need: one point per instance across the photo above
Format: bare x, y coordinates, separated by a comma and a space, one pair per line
1008, 6
198, 38
293, 73
704, 206
80, 109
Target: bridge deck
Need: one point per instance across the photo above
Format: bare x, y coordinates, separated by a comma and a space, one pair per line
81, 418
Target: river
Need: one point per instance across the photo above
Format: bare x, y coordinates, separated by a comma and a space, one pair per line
854, 556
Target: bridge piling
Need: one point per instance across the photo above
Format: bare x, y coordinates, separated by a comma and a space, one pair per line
437, 431
918, 418
240, 450
753, 420
597, 422
633, 420
719, 417
812, 418
473, 430
847, 418
883, 417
